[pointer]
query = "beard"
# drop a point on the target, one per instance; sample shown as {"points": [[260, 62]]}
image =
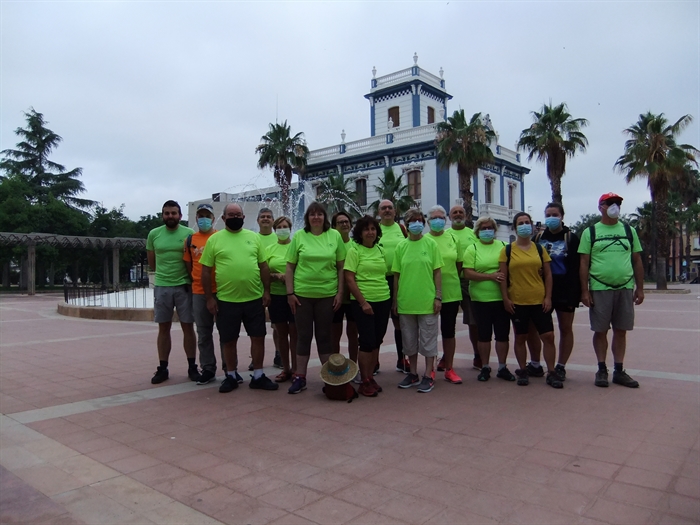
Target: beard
{"points": [[171, 223]]}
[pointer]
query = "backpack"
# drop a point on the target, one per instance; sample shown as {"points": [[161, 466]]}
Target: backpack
{"points": [[344, 392], [630, 239]]}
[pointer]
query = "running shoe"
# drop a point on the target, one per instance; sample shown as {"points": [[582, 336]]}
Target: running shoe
{"points": [[452, 377], [504, 373], [409, 381], [426, 385], [621, 378]]}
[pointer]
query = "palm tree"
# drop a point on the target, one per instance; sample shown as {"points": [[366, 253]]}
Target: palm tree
{"points": [[641, 221], [552, 137], [687, 190], [652, 153], [285, 154], [336, 194], [467, 144], [392, 188]]}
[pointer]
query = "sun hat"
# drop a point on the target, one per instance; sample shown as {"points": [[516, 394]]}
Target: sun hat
{"points": [[609, 197], [206, 207], [338, 370]]}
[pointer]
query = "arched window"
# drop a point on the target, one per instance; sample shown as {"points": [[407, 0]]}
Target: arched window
{"points": [[488, 190], [431, 115], [361, 191], [394, 116], [414, 189], [511, 196]]}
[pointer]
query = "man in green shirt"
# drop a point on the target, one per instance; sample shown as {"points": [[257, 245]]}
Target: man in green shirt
{"points": [[172, 291], [612, 282]]}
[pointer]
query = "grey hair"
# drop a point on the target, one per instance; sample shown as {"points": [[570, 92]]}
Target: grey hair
{"points": [[484, 221], [435, 208], [265, 210]]}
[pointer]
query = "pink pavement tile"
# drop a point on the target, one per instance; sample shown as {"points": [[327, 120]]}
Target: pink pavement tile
{"points": [[211, 500], [493, 506], [374, 518], [635, 495], [578, 482], [617, 443], [183, 487], [366, 494], [663, 451], [529, 514], [255, 484], [569, 502], [133, 463], [654, 463], [224, 473], [530, 472], [244, 509], [644, 478], [291, 519], [592, 467], [688, 487], [157, 474], [509, 487], [672, 519], [684, 506], [604, 454], [105, 455], [197, 462], [570, 448], [330, 511], [546, 458], [290, 497], [292, 471], [615, 512]]}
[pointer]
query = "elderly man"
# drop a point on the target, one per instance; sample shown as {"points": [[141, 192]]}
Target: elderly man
{"points": [[612, 282], [243, 291], [265, 220]]}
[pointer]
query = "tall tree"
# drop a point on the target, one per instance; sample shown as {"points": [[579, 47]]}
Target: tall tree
{"points": [[468, 145], [30, 162], [553, 136], [392, 188], [687, 189], [284, 153], [652, 153], [337, 195]]}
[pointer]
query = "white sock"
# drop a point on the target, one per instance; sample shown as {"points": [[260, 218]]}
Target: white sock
{"points": [[501, 366], [536, 364], [231, 374], [561, 365], [257, 373]]}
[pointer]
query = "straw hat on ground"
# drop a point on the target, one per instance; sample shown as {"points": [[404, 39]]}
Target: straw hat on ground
{"points": [[338, 370]]}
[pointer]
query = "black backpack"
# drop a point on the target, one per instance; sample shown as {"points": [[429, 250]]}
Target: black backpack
{"points": [[614, 239]]}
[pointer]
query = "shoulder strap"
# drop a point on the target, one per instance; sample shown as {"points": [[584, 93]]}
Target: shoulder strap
{"points": [[403, 229], [591, 233], [509, 247], [538, 236], [628, 233], [539, 252]]}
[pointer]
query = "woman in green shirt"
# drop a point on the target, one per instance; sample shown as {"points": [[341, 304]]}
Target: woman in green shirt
{"points": [[281, 315], [365, 276], [342, 222], [314, 287]]}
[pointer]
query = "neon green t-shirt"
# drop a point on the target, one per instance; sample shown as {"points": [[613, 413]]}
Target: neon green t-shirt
{"points": [[391, 237], [416, 261], [465, 236], [369, 267], [276, 257], [237, 257], [315, 257], [525, 283], [483, 258], [169, 246], [267, 240], [611, 257], [451, 253]]}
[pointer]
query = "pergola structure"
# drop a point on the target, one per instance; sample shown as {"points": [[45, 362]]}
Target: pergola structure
{"points": [[31, 240]]}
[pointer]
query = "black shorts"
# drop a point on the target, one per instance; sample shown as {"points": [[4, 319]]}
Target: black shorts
{"points": [[448, 319], [524, 314], [390, 281], [564, 306], [279, 310], [371, 329], [491, 318], [230, 316], [345, 311]]}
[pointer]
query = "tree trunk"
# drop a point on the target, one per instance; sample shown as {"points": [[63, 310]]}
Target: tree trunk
{"points": [[465, 192], [554, 177], [687, 249], [662, 244]]}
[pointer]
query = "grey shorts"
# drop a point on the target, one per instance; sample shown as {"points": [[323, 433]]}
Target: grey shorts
{"points": [[468, 316], [612, 307], [169, 298], [419, 333]]}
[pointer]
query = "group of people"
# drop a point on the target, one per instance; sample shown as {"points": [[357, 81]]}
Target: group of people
{"points": [[375, 269]]}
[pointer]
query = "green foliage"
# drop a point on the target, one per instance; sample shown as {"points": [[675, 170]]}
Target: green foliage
{"points": [[584, 222], [392, 188]]}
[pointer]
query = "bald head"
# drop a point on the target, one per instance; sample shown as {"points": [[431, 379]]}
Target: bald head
{"points": [[232, 209]]}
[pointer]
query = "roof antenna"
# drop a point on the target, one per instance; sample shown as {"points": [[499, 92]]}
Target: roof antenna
{"points": [[277, 105]]}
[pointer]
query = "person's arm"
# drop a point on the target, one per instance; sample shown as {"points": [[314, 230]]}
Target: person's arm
{"points": [[638, 278], [437, 302], [151, 255], [351, 283], [292, 299], [208, 294], [338, 300], [265, 278], [547, 304], [507, 303], [586, 298]]}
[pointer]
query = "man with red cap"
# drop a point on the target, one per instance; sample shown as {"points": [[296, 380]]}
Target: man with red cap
{"points": [[612, 282]]}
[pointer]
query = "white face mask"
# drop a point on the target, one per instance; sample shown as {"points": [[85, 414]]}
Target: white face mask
{"points": [[613, 211]]}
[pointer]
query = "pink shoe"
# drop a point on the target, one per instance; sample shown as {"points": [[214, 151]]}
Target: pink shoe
{"points": [[452, 377]]}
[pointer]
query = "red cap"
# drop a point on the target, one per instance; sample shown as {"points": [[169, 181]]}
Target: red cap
{"points": [[609, 197]]}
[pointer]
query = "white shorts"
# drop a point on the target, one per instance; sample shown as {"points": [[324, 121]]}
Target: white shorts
{"points": [[419, 332]]}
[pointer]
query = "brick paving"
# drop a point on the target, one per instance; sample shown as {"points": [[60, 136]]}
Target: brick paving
{"points": [[85, 438]]}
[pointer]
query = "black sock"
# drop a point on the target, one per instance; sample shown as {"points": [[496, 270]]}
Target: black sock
{"points": [[164, 364], [618, 367], [399, 343], [602, 366], [191, 362]]}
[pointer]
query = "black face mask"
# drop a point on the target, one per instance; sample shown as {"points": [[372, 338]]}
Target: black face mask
{"points": [[234, 223]]}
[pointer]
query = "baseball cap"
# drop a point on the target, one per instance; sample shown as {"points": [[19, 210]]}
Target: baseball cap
{"points": [[206, 207], [609, 197]]}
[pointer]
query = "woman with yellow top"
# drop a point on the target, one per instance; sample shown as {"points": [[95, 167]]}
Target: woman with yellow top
{"points": [[281, 315], [342, 222], [365, 276], [451, 252], [314, 281], [527, 296]]}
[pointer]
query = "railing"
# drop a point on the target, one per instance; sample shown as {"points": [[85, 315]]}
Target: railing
{"points": [[130, 295], [322, 153], [427, 132], [393, 77], [508, 154], [404, 74], [365, 143]]}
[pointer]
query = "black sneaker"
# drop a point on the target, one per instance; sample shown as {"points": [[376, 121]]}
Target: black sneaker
{"points": [[263, 383], [207, 376], [238, 377], [561, 372], [426, 385], [534, 371], [251, 367], [298, 384], [554, 381], [523, 378], [409, 381], [621, 378], [193, 373], [160, 375], [277, 361], [601, 378], [504, 373], [228, 385], [484, 374]]}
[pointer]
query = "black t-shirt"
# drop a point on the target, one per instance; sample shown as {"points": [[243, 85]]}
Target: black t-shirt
{"points": [[564, 265]]}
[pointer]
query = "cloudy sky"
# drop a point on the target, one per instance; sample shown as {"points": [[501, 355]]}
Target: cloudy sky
{"points": [[159, 100]]}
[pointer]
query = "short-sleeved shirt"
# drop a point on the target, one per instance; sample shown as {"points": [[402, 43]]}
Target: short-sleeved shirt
{"points": [[316, 256], [465, 236], [483, 258], [391, 237], [525, 282], [193, 253], [416, 262], [276, 257], [168, 247], [369, 267], [237, 257], [451, 252], [562, 247], [267, 240], [611, 256]]}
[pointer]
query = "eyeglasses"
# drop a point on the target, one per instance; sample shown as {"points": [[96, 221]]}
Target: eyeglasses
{"points": [[340, 223], [386, 207]]}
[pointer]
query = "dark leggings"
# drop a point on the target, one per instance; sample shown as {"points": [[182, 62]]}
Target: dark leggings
{"points": [[314, 317], [371, 328], [448, 319]]}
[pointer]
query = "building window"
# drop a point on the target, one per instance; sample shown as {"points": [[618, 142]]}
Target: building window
{"points": [[394, 116], [361, 191], [488, 190], [414, 184], [511, 196], [319, 191], [431, 115]]}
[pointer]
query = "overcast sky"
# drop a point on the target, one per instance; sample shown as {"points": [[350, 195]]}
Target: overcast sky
{"points": [[160, 100]]}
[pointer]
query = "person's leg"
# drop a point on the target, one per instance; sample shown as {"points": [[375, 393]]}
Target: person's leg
{"points": [[351, 332], [204, 323], [189, 340], [282, 330], [304, 320], [600, 345], [336, 334], [293, 345], [164, 342], [323, 321], [257, 345], [619, 345], [429, 328], [549, 350], [521, 350], [231, 355], [534, 345], [566, 335], [409, 329]]}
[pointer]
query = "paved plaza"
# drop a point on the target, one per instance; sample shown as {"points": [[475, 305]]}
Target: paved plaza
{"points": [[85, 438]]}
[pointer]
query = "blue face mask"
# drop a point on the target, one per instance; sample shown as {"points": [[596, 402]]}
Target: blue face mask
{"points": [[437, 224], [204, 224], [415, 227], [486, 235], [524, 230], [552, 223]]}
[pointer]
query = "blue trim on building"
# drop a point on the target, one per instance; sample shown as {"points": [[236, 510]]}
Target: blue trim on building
{"points": [[502, 195], [389, 138], [475, 187], [416, 109], [442, 186], [372, 130], [522, 195]]}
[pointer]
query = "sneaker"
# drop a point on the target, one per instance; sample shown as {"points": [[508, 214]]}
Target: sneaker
{"points": [[441, 364], [426, 385], [403, 366], [376, 369], [251, 367], [263, 383], [376, 385], [485, 374], [207, 376], [554, 381], [523, 377], [476, 363], [277, 361], [561, 372], [229, 383], [601, 378], [504, 373], [193, 373], [534, 371], [452, 377], [239, 379], [621, 378], [298, 384], [160, 375], [367, 389], [357, 379], [409, 381]]}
